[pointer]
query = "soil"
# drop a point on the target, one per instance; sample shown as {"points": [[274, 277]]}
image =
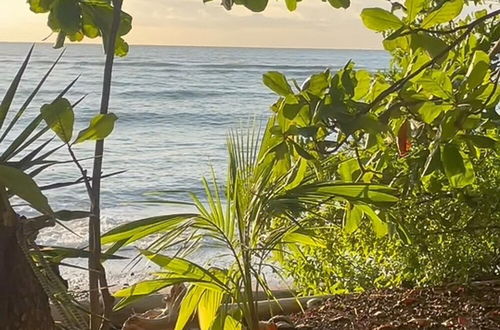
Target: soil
{"points": [[475, 306]]}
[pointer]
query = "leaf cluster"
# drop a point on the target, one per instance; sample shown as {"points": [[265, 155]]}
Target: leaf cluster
{"points": [[76, 19]]}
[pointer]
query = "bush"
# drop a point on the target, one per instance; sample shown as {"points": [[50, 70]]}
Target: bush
{"points": [[446, 238]]}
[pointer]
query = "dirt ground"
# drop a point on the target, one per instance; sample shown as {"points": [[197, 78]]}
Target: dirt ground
{"points": [[475, 306]]}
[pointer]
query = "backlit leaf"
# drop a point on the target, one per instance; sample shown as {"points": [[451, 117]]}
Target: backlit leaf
{"points": [[291, 4], [59, 117], [277, 82], [100, 127], [448, 11], [413, 8], [340, 3], [380, 20], [478, 69]]}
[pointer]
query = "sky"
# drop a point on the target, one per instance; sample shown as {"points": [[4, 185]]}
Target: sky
{"points": [[191, 23]]}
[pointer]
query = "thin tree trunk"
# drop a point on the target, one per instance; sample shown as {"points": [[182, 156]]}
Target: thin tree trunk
{"points": [[23, 303], [97, 275]]}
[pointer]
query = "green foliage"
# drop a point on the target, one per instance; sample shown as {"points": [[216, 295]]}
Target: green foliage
{"points": [[76, 19], [291, 5], [240, 219], [23, 186], [14, 172], [99, 128], [25, 153], [379, 19], [428, 127], [446, 239], [59, 117]]}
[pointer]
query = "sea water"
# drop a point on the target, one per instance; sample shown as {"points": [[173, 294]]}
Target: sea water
{"points": [[175, 107]]}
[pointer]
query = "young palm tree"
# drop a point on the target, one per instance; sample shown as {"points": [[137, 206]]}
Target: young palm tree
{"points": [[257, 194]]}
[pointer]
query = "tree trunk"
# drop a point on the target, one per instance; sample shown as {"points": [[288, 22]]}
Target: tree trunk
{"points": [[23, 303]]}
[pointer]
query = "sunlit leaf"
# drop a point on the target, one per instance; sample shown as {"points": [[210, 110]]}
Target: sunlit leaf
{"points": [[413, 8], [379, 227], [99, 128], [478, 70], [340, 3], [277, 82], [189, 306], [208, 307], [448, 11], [380, 20], [291, 4], [59, 117]]}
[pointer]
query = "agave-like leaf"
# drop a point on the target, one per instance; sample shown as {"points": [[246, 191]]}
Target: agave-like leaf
{"points": [[26, 103], [11, 92]]}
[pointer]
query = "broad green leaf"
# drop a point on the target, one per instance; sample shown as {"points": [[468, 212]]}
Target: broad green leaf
{"points": [[255, 5], [438, 84], [362, 88], [121, 47], [378, 19], [89, 29], [347, 168], [459, 175], [23, 186], [59, 117], [100, 127], [317, 84], [452, 160], [432, 45], [96, 20], [65, 16], [40, 6], [340, 3], [447, 12], [391, 44], [291, 4], [478, 70], [429, 111], [277, 82], [413, 8]]}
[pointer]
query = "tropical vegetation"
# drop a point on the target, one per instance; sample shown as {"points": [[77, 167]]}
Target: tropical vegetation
{"points": [[357, 180]]}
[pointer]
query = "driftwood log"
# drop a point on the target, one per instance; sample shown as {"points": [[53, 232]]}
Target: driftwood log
{"points": [[159, 311], [159, 319]]}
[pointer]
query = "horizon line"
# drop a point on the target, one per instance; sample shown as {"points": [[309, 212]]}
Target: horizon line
{"points": [[196, 46]]}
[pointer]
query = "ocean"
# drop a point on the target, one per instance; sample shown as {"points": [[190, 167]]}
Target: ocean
{"points": [[175, 107]]}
